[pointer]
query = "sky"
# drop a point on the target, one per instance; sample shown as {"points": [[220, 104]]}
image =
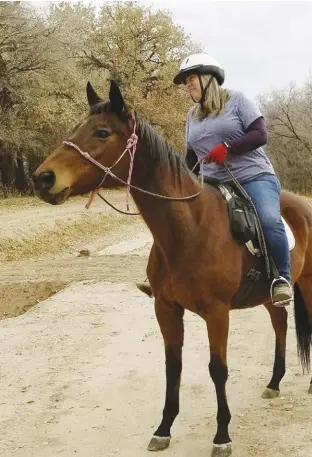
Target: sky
{"points": [[262, 45]]}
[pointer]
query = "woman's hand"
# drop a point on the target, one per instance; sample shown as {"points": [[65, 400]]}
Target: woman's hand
{"points": [[217, 154]]}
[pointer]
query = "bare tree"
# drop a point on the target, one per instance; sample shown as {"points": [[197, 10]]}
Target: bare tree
{"points": [[289, 116], [141, 50], [46, 60]]}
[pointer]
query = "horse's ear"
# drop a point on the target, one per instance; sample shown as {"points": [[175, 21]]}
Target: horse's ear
{"points": [[116, 98], [92, 96]]}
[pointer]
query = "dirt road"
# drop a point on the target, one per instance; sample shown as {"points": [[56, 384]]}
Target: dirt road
{"points": [[47, 241], [82, 372]]}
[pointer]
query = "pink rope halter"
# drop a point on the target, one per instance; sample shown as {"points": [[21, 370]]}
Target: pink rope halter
{"points": [[130, 148]]}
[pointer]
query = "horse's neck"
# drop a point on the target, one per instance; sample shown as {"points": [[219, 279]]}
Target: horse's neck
{"points": [[170, 222]]}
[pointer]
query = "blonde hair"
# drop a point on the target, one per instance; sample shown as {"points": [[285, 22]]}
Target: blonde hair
{"points": [[215, 99]]}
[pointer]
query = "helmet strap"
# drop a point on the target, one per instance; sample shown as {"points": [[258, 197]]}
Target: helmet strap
{"points": [[203, 90]]}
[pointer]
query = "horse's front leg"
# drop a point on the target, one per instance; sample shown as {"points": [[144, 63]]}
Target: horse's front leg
{"points": [[170, 319], [217, 321]]}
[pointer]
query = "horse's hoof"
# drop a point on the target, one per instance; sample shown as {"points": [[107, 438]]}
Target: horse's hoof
{"points": [[270, 393], [310, 389], [221, 450], [159, 443]]}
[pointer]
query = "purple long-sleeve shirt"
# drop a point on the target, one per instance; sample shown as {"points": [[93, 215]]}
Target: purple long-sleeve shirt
{"points": [[256, 136]]}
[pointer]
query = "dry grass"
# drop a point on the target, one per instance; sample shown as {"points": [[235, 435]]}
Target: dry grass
{"points": [[63, 237], [69, 228], [20, 203], [14, 204]]}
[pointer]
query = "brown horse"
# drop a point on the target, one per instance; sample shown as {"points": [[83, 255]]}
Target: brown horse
{"points": [[194, 262]]}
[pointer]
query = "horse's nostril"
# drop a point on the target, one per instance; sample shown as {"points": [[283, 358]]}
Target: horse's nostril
{"points": [[45, 180]]}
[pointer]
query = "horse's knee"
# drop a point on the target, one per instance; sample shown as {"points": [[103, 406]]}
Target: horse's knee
{"points": [[218, 370]]}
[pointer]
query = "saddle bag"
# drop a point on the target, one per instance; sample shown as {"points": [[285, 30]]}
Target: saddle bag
{"points": [[242, 220]]}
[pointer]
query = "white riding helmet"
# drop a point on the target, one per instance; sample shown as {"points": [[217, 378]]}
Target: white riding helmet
{"points": [[200, 63]]}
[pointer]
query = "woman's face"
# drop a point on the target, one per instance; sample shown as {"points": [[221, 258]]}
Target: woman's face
{"points": [[193, 87]]}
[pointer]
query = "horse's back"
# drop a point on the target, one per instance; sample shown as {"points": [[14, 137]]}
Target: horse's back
{"points": [[296, 209]]}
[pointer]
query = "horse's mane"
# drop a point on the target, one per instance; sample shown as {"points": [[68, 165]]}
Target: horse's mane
{"points": [[158, 151]]}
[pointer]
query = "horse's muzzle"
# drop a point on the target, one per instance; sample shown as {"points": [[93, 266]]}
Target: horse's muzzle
{"points": [[43, 186], [44, 181]]}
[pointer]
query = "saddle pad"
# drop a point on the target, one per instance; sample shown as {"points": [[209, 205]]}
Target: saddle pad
{"points": [[290, 235]]}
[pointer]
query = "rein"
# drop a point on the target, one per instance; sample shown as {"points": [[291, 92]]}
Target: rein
{"points": [[130, 149]]}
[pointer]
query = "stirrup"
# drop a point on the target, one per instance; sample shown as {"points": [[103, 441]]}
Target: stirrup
{"points": [[282, 303]]}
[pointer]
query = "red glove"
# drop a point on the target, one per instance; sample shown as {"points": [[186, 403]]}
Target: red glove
{"points": [[217, 154]]}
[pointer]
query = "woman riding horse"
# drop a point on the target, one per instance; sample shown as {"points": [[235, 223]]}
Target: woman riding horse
{"points": [[194, 264], [224, 125]]}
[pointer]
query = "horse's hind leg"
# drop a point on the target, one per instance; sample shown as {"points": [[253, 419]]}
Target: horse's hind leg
{"points": [[305, 285], [279, 322], [170, 320]]}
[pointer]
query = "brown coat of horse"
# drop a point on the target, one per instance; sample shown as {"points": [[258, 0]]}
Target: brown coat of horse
{"points": [[194, 262]]}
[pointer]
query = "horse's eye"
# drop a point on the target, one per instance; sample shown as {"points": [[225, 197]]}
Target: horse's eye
{"points": [[101, 133]]}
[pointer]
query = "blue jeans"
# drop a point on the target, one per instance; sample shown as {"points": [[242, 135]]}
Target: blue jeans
{"points": [[265, 191]]}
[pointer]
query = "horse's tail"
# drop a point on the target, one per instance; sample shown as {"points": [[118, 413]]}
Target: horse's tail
{"points": [[303, 329]]}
